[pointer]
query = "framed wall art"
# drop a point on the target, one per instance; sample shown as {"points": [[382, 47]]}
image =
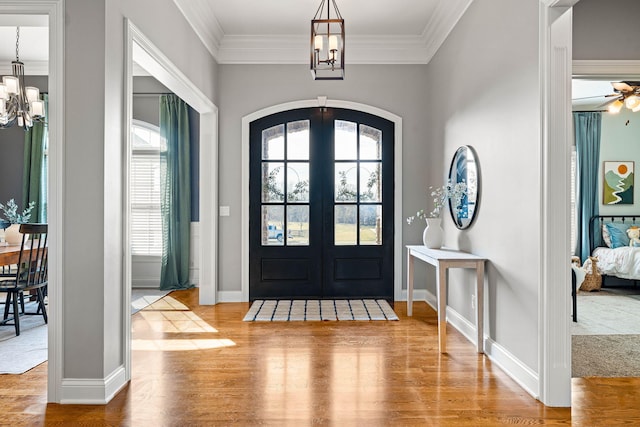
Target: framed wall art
{"points": [[617, 183]]}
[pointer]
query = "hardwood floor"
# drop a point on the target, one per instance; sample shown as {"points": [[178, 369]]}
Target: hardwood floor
{"points": [[205, 367]]}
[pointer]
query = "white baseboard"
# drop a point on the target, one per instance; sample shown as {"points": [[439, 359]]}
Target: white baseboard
{"points": [[463, 326], [518, 371], [418, 295], [194, 261], [500, 356], [194, 276], [93, 391], [145, 283], [230, 296]]}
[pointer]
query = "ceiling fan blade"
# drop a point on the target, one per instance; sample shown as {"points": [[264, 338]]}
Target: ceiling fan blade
{"points": [[608, 102], [622, 86], [596, 96]]}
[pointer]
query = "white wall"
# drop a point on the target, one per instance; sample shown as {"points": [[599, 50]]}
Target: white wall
{"points": [[484, 92], [94, 86], [244, 89]]}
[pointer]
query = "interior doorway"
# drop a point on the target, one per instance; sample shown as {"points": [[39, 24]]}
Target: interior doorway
{"points": [[140, 50], [321, 211]]}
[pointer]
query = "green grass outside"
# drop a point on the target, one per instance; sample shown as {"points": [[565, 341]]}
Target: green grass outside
{"points": [[345, 234]]}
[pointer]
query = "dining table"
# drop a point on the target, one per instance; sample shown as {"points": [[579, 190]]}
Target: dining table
{"points": [[9, 253]]}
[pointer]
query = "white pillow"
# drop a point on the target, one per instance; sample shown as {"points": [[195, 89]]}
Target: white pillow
{"points": [[605, 235], [580, 275]]}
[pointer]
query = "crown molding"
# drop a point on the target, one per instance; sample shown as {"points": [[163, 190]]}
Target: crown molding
{"points": [[443, 20], [31, 68], [606, 68], [294, 49], [201, 19]]}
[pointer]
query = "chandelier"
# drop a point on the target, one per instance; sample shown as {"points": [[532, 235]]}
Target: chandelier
{"points": [[19, 104], [327, 44]]}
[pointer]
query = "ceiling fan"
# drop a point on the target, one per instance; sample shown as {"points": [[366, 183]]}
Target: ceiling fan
{"points": [[625, 93]]}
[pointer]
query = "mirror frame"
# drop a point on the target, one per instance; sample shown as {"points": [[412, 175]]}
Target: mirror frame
{"points": [[468, 152]]}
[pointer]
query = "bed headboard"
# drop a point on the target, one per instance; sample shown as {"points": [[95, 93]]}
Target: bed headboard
{"points": [[595, 227]]}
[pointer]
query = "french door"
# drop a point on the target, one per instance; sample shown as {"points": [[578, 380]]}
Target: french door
{"points": [[321, 205]]}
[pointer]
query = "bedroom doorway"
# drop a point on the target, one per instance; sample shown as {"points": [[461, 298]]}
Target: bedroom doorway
{"points": [[321, 205], [606, 330]]}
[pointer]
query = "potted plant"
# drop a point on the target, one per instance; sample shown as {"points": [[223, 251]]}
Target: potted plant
{"points": [[12, 233], [432, 235]]}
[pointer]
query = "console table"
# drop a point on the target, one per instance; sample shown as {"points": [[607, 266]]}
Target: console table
{"points": [[443, 259]]}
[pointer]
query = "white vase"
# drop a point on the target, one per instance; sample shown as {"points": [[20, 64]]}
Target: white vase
{"points": [[12, 234], [433, 234]]}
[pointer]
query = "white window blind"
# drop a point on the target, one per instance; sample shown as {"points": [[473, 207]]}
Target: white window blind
{"points": [[146, 225]]}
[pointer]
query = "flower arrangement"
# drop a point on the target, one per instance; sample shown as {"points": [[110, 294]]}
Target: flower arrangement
{"points": [[441, 195], [11, 212]]}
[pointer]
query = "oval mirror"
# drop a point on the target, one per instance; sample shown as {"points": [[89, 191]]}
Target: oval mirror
{"points": [[465, 168]]}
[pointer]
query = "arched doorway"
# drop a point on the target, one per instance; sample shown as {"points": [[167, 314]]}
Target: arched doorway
{"points": [[398, 292], [321, 205]]}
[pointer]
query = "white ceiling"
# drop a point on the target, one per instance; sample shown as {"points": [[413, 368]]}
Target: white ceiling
{"points": [[590, 94], [34, 43], [377, 31], [277, 32]]}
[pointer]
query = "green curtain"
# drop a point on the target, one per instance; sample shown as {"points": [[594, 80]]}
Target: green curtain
{"points": [[587, 128], [175, 192], [34, 178]]}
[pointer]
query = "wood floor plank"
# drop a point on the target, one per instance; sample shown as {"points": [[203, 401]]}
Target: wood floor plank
{"points": [[206, 367]]}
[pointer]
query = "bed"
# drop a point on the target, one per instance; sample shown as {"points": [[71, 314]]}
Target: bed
{"points": [[610, 243]]}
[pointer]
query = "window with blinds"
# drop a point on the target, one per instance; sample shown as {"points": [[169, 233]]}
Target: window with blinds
{"points": [[146, 225]]}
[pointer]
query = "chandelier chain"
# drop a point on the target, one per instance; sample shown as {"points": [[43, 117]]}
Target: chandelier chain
{"points": [[17, 43]]}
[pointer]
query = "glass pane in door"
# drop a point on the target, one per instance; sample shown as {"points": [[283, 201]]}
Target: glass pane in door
{"points": [[346, 140], [298, 140], [272, 182], [370, 143], [345, 225], [370, 182], [297, 182], [298, 225], [273, 143], [346, 182], [371, 224], [272, 225]]}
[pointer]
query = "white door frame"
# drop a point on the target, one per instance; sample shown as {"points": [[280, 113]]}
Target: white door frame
{"points": [[554, 336], [397, 202], [139, 48]]}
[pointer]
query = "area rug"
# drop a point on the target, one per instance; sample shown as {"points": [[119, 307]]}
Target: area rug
{"points": [[318, 310], [605, 356], [607, 315], [20, 353], [142, 297]]}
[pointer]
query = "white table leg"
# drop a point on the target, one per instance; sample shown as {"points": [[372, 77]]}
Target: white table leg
{"points": [[441, 285], [480, 305], [409, 283]]}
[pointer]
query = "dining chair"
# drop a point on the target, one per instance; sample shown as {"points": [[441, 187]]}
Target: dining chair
{"points": [[31, 275], [5, 270]]}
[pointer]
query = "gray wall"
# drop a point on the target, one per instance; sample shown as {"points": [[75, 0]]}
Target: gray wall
{"points": [[12, 152], [606, 30], [245, 89], [94, 62], [492, 54]]}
